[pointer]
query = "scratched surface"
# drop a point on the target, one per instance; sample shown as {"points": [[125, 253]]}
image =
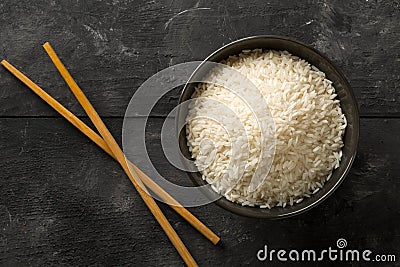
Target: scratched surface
{"points": [[111, 47], [64, 202]]}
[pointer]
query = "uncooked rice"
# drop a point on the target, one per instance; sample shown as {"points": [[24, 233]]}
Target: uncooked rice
{"points": [[309, 129]]}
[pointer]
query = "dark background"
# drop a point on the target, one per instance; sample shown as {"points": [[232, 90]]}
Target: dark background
{"points": [[64, 201]]}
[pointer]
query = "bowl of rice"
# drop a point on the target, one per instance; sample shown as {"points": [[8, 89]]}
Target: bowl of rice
{"points": [[313, 113]]}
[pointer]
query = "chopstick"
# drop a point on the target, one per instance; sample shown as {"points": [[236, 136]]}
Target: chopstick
{"points": [[75, 121], [120, 156], [82, 99]]}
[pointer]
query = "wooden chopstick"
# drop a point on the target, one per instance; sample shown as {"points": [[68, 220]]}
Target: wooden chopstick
{"points": [[80, 125], [120, 157], [157, 213]]}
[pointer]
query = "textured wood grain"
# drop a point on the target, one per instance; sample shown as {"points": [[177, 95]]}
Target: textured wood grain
{"points": [[64, 201], [112, 46]]}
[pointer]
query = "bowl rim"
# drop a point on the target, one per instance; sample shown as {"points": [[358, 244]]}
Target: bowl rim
{"points": [[254, 212]]}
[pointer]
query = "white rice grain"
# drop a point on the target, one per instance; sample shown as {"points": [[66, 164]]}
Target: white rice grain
{"points": [[309, 129]]}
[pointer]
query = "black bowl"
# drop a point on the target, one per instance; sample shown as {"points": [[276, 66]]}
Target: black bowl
{"points": [[347, 101]]}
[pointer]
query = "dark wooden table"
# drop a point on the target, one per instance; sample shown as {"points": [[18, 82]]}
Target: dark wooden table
{"points": [[65, 202]]}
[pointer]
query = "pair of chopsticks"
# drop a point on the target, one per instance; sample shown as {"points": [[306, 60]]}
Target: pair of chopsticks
{"points": [[107, 142]]}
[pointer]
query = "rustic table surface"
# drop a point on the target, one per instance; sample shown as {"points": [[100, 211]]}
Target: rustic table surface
{"points": [[64, 201]]}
